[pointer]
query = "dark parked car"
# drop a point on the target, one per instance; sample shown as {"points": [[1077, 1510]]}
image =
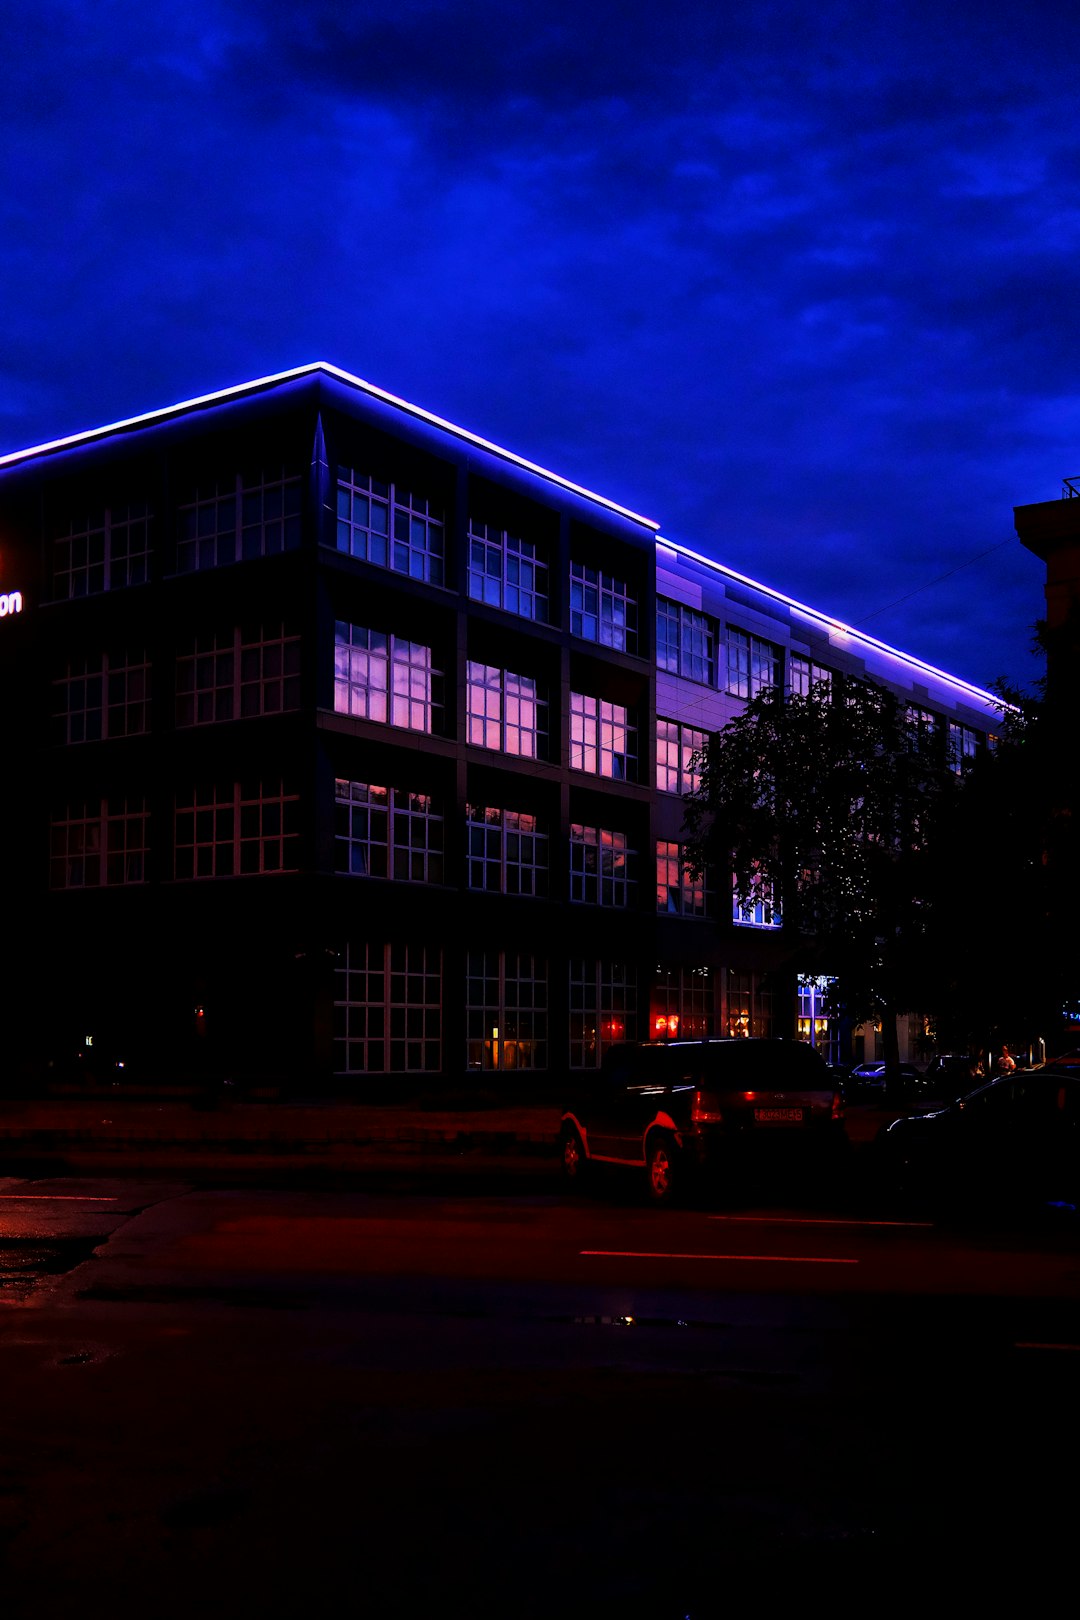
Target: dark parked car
{"points": [[679, 1110], [868, 1080], [1013, 1141], [949, 1072]]}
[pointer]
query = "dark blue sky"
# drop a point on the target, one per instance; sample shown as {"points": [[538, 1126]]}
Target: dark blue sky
{"points": [[801, 282]]}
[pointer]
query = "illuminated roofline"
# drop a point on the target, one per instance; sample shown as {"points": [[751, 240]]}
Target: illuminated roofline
{"points": [[837, 625], [91, 435]]}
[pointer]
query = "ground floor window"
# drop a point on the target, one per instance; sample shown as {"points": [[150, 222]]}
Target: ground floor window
{"points": [[815, 1026], [388, 1009], [506, 998], [749, 1006], [603, 1009], [682, 1004]]}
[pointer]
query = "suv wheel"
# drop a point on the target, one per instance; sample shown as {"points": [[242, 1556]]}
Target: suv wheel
{"points": [[662, 1169], [572, 1160]]}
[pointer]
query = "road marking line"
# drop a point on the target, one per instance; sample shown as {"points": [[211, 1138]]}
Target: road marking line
{"points": [[60, 1198], [813, 1220], [1034, 1344], [650, 1254]]}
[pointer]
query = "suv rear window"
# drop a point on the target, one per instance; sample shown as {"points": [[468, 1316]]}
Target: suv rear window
{"points": [[747, 1064]]}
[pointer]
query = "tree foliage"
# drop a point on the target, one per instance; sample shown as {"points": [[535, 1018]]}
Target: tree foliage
{"points": [[830, 800]]}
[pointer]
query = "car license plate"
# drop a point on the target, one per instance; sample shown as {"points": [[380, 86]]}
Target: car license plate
{"points": [[778, 1116]]}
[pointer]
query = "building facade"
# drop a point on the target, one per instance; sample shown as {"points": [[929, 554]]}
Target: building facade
{"points": [[345, 750]]}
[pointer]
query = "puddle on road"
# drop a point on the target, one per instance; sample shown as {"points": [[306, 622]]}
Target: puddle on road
{"points": [[23, 1264]]}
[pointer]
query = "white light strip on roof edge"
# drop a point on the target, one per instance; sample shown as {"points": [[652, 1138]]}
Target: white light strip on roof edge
{"points": [[237, 392], [833, 624]]}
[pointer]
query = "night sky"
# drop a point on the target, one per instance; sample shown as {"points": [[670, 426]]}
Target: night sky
{"points": [[800, 282]]}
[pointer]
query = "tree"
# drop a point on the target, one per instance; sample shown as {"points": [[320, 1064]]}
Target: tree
{"points": [[831, 801]]}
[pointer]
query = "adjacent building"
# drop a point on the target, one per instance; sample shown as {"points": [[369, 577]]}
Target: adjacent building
{"points": [[346, 749]]}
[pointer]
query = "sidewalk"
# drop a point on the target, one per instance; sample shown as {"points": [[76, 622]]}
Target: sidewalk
{"points": [[72, 1135]]}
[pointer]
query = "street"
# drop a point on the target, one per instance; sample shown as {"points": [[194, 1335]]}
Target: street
{"points": [[266, 1400]]}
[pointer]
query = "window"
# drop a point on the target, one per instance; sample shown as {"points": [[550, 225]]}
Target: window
{"points": [[240, 673], [507, 851], [506, 1011], [603, 867], [387, 832], [682, 1004], [752, 665], [237, 828], [99, 842], [685, 642], [388, 1010], [806, 675], [925, 730], [603, 738], [676, 746], [107, 695], [381, 677], [236, 518], [963, 746], [676, 891], [102, 552], [749, 1007], [387, 524], [603, 1009], [602, 609], [506, 712], [507, 572], [759, 909]]}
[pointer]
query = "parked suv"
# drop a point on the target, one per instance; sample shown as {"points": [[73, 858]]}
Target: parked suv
{"points": [[677, 1110]]}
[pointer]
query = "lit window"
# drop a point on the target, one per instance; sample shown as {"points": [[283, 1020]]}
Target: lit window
{"points": [[602, 608], [506, 1011], [758, 909], [505, 711], [507, 572], [383, 678], [685, 642], [676, 748], [603, 1009], [391, 526], [603, 738], [677, 892]]}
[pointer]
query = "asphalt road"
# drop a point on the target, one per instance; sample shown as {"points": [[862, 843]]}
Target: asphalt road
{"points": [[282, 1401]]}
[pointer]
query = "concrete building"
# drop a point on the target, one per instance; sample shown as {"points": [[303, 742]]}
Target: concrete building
{"points": [[345, 748]]}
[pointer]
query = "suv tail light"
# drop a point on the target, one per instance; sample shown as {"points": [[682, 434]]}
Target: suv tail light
{"points": [[705, 1109], [837, 1105]]}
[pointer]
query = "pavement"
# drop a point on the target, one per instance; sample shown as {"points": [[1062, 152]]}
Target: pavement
{"points": [[109, 1133]]}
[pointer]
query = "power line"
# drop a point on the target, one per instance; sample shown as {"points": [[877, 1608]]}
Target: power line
{"points": [[932, 582]]}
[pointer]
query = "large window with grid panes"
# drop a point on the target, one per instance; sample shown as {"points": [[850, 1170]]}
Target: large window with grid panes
{"points": [[603, 866], [962, 746], [805, 675], [685, 642], [385, 678], [748, 1005], [506, 711], [677, 748], [508, 571], [507, 851], [104, 550], [925, 731], [506, 1011], [238, 673], [678, 891], [603, 738], [102, 695], [753, 665], [758, 908], [602, 608], [387, 832], [603, 1008], [682, 1003], [236, 829], [388, 1009], [99, 842], [390, 525], [238, 517]]}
